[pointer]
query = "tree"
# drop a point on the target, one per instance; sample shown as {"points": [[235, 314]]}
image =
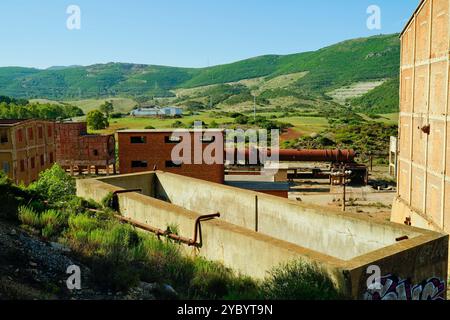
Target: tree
{"points": [[107, 108], [96, 120], [54, 185]]}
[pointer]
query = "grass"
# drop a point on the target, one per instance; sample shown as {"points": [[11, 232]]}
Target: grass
{"points": [[141, 123], [120, 256], [123, 105]]}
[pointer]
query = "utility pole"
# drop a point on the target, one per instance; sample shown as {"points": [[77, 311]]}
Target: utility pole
{"points": [[254, 107], [343, 174]]}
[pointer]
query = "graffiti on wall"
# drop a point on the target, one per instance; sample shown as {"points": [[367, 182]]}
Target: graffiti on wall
{"points": [[392, 288]]}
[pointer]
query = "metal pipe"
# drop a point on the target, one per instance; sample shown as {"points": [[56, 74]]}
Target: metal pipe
{"points": [[115, 200], [159, 232], [292, 155]]}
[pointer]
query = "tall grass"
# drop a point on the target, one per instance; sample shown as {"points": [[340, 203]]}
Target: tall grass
{"points": [[119, 257], [49, 223], [299, 280]]}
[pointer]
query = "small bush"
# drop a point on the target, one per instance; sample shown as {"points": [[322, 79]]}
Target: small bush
{"points": [[54, 185], [299, 281]]}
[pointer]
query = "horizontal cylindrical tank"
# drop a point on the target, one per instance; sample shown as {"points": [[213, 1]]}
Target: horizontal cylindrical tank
{"points": [[293, 155]]}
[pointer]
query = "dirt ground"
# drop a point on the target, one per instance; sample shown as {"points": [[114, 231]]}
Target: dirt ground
{"points": [[374, 200]]}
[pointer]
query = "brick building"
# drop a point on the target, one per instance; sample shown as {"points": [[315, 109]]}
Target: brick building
{"points": [[27, 147], [78, 150], [423, 197], [147, 150]]}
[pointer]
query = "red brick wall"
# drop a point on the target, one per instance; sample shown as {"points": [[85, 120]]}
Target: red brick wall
{"points": [[76, 147], [156, 152]]}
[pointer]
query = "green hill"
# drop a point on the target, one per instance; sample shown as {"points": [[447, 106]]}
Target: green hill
{"points": [[326, 69]]}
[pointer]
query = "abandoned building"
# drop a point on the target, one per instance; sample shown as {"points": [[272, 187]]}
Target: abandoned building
{"points": [[146, 150], [78, 150], [252, 232], [27, 147], [423, 198]]}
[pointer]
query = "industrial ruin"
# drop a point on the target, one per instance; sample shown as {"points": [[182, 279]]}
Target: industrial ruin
{"points": [[252, 232], [27, 147], [76, 150], [423, 198]]}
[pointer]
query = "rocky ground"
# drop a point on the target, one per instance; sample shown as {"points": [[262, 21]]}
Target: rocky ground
{"points": [[32, 269]]}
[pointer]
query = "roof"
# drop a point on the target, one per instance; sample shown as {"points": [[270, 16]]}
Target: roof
{"points": [[259, 185], [412, 17], [11, 122], [168, 130]]}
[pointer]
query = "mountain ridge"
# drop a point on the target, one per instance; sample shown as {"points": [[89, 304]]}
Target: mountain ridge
{"points": [[329, 68]]}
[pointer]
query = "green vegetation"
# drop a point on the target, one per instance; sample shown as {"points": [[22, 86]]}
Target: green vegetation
{"points": [[22, 109], [96, 120], [383, 99], [368, 138], [323, 70], [300, 280], [119, 256], [107, 108], [54, 185]]}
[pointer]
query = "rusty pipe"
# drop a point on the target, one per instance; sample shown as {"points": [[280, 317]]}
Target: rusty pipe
{"points": [[159, 232], [126, 191], [292, 155], [115, 200], [198, 221], [156, 231]]}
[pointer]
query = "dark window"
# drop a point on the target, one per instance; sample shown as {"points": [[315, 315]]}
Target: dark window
{"points": [[171, 164], [138, 140], [19, 135], [22, 165], [6, 167], [33, 163], [172, 139], [51, 157], [206, 139], [139, 164], [95, 152], [40, 133], [30, 134], [42, 160], [50, 131], [3, 136]]}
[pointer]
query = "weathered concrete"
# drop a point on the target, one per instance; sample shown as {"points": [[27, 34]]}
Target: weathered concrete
{"points": [[343, 245]]}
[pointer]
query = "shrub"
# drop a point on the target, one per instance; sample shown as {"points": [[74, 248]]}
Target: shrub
{"points": [[49, 223], [54, 185], [299, 281], [96, 120]]}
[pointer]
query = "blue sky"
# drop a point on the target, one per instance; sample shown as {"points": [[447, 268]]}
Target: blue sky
{"points": [[190, 33]]}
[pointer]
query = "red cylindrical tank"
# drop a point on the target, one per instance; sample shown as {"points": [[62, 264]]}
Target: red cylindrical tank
{"points": [[293, 155]]}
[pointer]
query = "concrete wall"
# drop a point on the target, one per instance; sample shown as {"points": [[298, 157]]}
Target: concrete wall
{"points": [[424, 153], [336, 234], [232, 240]]}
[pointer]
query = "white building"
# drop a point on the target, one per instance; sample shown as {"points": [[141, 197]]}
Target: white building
{"points": [[155, 112]]}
